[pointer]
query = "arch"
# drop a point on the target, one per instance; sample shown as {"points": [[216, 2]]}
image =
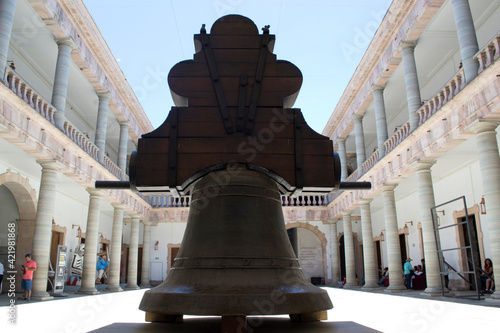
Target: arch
{"points": [[25, 196], [321, 236], [22, 191]]}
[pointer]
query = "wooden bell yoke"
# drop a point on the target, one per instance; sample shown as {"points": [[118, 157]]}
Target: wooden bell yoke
{"points": [[234, 105]]}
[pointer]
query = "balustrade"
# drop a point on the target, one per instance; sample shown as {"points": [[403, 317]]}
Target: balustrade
{"points": [[489, 53], [46, 110]]}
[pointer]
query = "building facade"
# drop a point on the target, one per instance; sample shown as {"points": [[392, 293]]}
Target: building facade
{"points": [[68, 117]]}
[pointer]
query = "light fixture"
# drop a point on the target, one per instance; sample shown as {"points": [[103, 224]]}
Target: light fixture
{"points": [[382, 238], [156, 245], [437, 216], [405, 228], [482, 206]]}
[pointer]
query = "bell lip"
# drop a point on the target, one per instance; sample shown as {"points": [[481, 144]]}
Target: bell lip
{"points": [[218, 305]]}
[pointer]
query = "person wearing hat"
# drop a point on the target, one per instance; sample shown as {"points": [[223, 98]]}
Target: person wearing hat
{"points": [[28, 268]]}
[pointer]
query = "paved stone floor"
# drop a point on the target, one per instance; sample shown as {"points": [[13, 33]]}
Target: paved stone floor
{"points": [[354, 311]]}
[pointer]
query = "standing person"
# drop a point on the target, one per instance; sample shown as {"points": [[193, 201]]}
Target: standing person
{"points": [[1, 276], [407, 268], [101, 266], [28, 268]]}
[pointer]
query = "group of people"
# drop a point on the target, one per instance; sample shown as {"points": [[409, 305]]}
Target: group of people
{"points": [[29, 267], [414, 276]]}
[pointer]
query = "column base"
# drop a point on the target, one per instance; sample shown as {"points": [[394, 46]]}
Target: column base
{"points": [[88, 291], [113, 289], [145, 285], [495, 298], [163, 318], [370, 287], [310, 316], [131, 287], [41, 296], [396, 289], [350, 285], [435, 292]]}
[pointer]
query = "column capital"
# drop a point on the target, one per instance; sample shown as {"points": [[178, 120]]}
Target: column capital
{"points": [[65, 42], [135, 216], [94, 192], [103, 95], [358, 117], [123, 123], [365, 201], [119, 206], [147, 223], [331, 221], [423, 165], [377, 87], [346, 213], [341, 139], [388, 187], [407, 45], [483, 125], [50, 164]]}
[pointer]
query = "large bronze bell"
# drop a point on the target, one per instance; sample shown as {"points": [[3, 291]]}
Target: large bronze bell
{"points": [[235, 257]]}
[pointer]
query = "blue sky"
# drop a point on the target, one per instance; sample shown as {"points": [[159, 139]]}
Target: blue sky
{"points": [[325, 39]]}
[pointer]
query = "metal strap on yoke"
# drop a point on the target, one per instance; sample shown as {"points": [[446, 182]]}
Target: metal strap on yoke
{"points": [[249, 123], [219, 92], [172, 151], [242, 95], [299, 175]]}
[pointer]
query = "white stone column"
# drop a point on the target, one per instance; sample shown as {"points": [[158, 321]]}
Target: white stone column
{"points": [[426, 200], [334, 252], [392, 241], [370, 260], [91, 244], [359, 138], [411, 82], [380, 118], [102, 125], [122, 149], [43, 228], [467, 39], [60, 89], [7, 10], [350, 265], [116, 249], [489, 162], [133, 254], [146, 249], [343, 158]]}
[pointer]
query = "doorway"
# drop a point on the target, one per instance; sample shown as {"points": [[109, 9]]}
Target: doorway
{"points": [[402, 246], [465, 256], [342, 257]]}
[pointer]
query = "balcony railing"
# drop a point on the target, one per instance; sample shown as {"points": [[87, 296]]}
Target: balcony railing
{"points": [[47, 110], [488, 54], [485, 57], [453, 87], [304, 201], [159, 201]]}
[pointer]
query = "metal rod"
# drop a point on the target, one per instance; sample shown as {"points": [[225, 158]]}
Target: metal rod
{"points": [[355, 186], [455, 248], [107, 184], [452, 225]]}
